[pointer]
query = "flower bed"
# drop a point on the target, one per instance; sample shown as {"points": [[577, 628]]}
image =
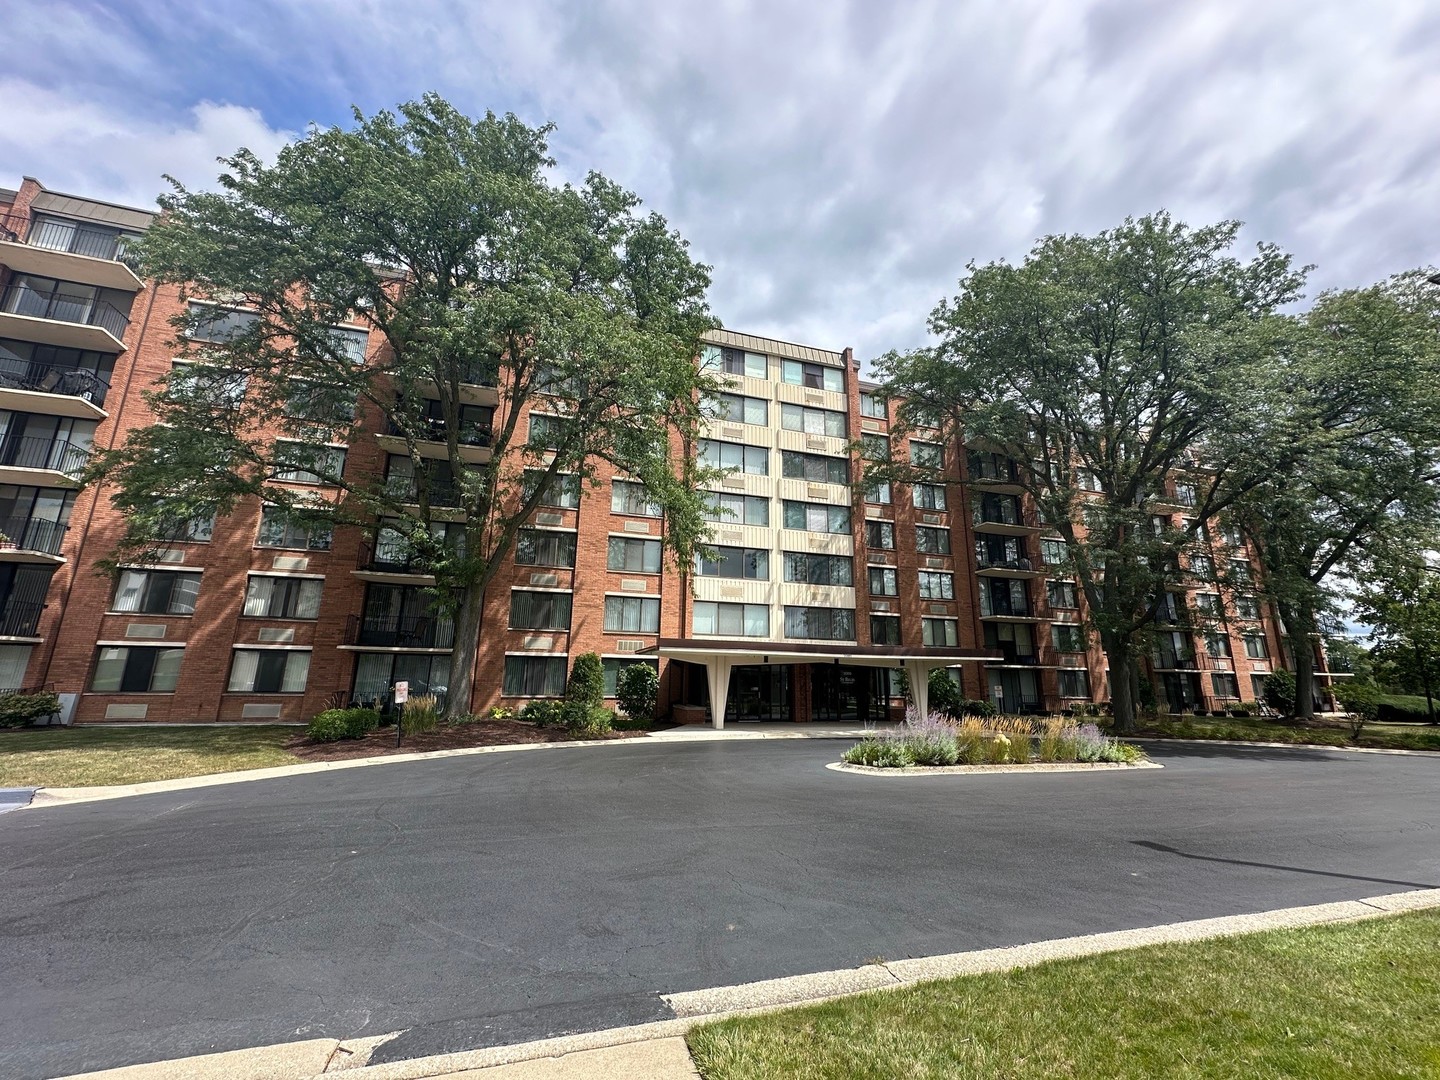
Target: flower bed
{"points": [[939, 742]]}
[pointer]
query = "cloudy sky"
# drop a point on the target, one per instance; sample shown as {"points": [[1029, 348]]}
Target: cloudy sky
{"points": [[838, 163]]}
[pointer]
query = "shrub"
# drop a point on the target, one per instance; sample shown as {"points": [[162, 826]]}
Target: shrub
{"points": [[580, 719], [1121, 753], [928, 742], [945, 696], [1089, 743], [329, 726], [542, 713], [974, 707], [360, 722], [878, 754], [1361, 701], [17, 710], [1280, 692], [420, 713], [587, 681], [1402, 707], [500, 712], [465, 718], [636, 689]]}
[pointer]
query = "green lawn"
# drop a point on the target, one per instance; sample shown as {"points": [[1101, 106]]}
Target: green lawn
{"points": [[86, 756], [1381, 736], [1360, 1000]]}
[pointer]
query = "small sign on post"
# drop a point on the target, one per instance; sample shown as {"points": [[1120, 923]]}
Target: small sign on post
{"points": [[402, 695]]}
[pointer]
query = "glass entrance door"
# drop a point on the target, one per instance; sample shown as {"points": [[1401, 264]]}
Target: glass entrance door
{"points": [[758, 693]]}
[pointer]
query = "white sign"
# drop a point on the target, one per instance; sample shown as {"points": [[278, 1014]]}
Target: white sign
{"points": [[402, 692]]}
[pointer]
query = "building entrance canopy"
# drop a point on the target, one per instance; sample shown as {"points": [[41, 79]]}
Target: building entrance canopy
{"points": [[719, 658]]}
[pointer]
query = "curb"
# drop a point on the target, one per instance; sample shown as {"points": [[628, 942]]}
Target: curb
{"points": [[982, 770], [289, 1061], [1163, 739]]}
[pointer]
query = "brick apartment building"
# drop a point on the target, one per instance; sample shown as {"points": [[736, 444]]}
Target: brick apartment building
{"points": [[820, 592]]}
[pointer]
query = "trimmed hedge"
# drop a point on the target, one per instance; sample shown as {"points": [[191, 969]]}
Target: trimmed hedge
{"points": [[17, 710], [335, 724], [1403, 707]]}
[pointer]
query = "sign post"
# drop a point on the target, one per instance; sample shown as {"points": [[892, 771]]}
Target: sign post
{"points": [[402, 695]]}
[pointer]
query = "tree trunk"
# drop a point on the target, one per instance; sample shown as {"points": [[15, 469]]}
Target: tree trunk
{"points": [[1424, 659], [1298, 624], [467, 647], [1122, 681]]}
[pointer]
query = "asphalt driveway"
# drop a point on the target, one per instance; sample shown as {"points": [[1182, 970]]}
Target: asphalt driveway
{"points": [[495, 898]]}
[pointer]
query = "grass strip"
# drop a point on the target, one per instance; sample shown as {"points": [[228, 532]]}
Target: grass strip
{"points": [[93, 756]]}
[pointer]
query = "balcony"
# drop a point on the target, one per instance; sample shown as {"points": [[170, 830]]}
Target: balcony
{"points": [[403, 489], [993, 472], [474, 441], [41, 462], [1001, 609], [1001, 517], [71, 251], [478, 385], [1007, 568], [31, 540], [62, 317], [51, 390], [400, 632], [19, 619], [390, 563]]}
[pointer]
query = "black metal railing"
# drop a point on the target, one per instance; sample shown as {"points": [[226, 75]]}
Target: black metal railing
{"points": [[433, 430], [391, 559], [35, 452], [403, 489], [20, 618], [987, 563], [400, 632], [998, 514], [16, 373], [31, 534], [77, 239], [994, 469], [60, 306]]}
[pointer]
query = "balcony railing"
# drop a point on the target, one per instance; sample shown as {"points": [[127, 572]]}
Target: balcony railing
{"points": [[78, 240], [433, 430], [390, 559], [995, 470], [60, 306], [17, 373], [34, 452], [988, 513], [403, 489], [990, 606], [986, 563], [20, 618], [400, 632], [33, 534]]}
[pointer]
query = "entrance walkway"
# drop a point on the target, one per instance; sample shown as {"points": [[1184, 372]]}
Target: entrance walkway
{"points": [[703, 732]]}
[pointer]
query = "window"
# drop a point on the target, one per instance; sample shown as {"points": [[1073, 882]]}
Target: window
{"points": [[816, 468], [1255, 647], [135, 670], [936, 586], [733, 361], [1004, 596], [1067, 638], [1207, 603], [727, 455], [1217, 644], [883, 581], [872, 405], [824, 624], [541, 547], [613, 665], [1185, 494], [271, 597], [218, 324], [813, 421], [1247, 607], [939, 632], [1086, 480], [929, 496], [628, 497], [932, 541], [349, 343], [632, 614], [546, 432], [735, 562], [277, 531], [1202, 566], [927, 455], [812, 376], [1061, 594], [208, 383], [1053, 551], [156, 592], [269, 671], [992, 550], [880, 535], [562, 492], [731, 620], [884, 629], [302, 463], [539, 610], [1240, 571], [633, 555], [874, 447], [1159, 523], [878, 492], [739, 409], [1230, 533], [1257, 687], [737, 509], [534, 676], [817, 517], [1075, 683], [809, 568], [376, 673], [1225, 684]]}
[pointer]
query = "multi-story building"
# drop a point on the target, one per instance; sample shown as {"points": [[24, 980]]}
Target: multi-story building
{"points": [[819, 592]]}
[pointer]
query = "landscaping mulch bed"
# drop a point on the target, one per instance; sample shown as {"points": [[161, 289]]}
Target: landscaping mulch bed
{"points": [[461, 736]]}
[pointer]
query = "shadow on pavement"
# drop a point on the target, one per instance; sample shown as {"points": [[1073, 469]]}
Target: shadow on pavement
{"points": [[1168, 850]]}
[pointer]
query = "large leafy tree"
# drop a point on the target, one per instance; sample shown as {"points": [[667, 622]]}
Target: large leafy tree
{"points": [[446, 236], [1399, 596], [1360, 438], [1132, 359]]}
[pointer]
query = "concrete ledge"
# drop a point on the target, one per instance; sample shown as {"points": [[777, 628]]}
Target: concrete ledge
{"points": [[980, 770], [1161, 740], [287, 1061], [770, 993]]}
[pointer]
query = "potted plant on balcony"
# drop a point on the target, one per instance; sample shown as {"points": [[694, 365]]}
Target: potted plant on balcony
{"points": [[6, 544]]}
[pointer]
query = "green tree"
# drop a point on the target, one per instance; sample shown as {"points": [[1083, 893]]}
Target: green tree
{"points": [[1400, 598], [1361, 424], [446, 235], [1280, 692], [637, 688], [1133, 359]]}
